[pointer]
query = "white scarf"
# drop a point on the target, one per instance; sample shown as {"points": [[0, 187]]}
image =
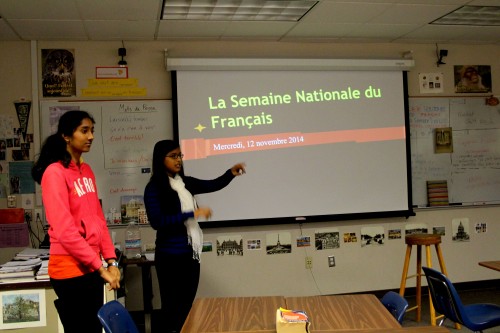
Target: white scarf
{"points": [[188, 204]]}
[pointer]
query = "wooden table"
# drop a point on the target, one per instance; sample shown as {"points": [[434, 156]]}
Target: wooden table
{"points": [[233, 314], [416, 329], [339, 313], [491, 264], [344, 312]]}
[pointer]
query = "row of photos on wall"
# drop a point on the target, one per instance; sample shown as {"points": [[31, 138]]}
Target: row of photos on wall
{"points": [[324, 239]]}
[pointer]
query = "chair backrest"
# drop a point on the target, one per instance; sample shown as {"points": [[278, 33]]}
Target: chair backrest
{"points": [[444, 295], [115, 318], [395, 304]]}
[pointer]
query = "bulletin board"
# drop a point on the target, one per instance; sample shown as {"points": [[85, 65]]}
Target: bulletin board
{"points": [[124, 138], [472, 168]]}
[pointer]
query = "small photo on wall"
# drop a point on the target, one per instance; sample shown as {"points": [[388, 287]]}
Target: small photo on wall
{"points": [[229, 245], [350, 237], [303, 241], [207, 246], [277, 243], [254, 244], [394, 234], [460, 229], [327, 239], [372, 236]]}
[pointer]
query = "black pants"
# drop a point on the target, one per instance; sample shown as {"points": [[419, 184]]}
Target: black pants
{"points": [[178, 277], [79, 300]]}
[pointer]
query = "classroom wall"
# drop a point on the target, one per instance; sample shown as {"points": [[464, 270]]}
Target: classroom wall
{"points": [[256, 273]]}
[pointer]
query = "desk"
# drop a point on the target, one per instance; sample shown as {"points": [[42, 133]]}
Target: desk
{"points": [[147, 285], [258, 314], [416, 329], [344, 312], [233, 314], [491, 264], [25, 285]]}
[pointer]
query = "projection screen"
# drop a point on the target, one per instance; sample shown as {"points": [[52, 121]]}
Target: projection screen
{"points": [[319, 145]]}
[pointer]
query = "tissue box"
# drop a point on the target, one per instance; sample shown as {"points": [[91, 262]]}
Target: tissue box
{"points": [[291, 321]]}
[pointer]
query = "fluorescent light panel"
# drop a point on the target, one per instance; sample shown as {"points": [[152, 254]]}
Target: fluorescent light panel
{"points": [[236, 10], [472, 15]]}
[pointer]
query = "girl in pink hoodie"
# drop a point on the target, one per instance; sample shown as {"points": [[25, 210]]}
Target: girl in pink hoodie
{"points": [[79, 237]]}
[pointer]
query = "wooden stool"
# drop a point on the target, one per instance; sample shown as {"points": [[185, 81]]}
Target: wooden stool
{"points": [[427, 240]]}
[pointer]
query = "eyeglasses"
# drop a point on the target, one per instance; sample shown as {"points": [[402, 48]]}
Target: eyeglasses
{"points": [[175, 156]]}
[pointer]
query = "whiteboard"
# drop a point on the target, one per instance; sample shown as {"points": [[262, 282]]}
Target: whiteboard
{"points": [[124, 138], [472, 170]]}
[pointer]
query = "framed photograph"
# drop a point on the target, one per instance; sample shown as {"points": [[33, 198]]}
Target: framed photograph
{"points": [[22, 309]]}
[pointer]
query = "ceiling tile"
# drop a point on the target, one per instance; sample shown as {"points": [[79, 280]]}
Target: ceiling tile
{"points": [[191, 29], [39, 9], [49, 30], [412, 14], [121, 30], [133, 10], [331, 12]]}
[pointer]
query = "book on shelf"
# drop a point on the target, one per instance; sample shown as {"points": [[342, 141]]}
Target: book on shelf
{"points": [[437, 193]]}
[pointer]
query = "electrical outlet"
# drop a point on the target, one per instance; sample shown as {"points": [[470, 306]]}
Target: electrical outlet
{"points": [[331, 261], [309, 262]]}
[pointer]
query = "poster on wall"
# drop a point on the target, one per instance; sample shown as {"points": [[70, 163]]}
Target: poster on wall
{"points": [[472, 79], [58, 73]]}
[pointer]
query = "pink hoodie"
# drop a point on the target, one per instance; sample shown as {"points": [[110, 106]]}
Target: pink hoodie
{"points": [[77, 226]]}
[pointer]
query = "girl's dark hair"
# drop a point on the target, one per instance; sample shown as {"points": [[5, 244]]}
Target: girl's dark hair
{"points": [[54, 147], [159, 174]]}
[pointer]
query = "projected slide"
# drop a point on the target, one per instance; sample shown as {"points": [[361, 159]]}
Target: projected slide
{"points": [[316, 143]]}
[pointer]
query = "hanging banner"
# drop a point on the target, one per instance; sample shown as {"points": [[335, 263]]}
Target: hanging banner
{"points": [[23, 114]]}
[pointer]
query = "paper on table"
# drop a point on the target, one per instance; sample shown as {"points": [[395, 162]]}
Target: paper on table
{"points": [[30, 263]]}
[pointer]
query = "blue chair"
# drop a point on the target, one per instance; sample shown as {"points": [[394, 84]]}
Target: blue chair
{"points": [[395, 304], [116, 319], [476, 317]]}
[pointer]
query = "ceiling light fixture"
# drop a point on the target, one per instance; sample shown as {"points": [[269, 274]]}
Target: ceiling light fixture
{"points": [[471, 15], [236, 10]]}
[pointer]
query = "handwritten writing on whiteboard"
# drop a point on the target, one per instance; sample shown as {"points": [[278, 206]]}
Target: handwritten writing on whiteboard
{"points": [[128, 133], [125, 134], [472, 170]]}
